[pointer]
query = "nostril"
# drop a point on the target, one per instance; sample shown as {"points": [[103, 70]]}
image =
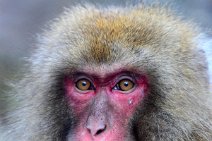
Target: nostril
{"points": [[96, 130], [100, 131]]}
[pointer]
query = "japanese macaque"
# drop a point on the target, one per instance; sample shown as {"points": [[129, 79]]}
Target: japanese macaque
{"points": [[114, 74]]}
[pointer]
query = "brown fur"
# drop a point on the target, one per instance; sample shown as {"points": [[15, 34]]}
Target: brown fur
{"points": [[143, 39]]}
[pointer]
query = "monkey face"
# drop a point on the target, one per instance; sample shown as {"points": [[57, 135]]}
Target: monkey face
{"points": [[120, 73], [104, 104]]}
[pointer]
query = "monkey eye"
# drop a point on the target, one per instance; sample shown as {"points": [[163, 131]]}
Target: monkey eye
{"points": [[124, 85], [84, 85]]}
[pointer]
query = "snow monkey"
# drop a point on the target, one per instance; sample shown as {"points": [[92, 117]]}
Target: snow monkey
{"points": [[114, 74]]}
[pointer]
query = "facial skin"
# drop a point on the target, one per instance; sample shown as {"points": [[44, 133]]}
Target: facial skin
{"points": [[104, 105]]}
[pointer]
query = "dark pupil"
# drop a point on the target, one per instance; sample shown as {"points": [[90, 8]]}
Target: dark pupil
{"points": [[84, 83], [126, 84]]}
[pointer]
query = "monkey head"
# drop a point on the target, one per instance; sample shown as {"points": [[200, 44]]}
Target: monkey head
{"points": [[116, 74]]}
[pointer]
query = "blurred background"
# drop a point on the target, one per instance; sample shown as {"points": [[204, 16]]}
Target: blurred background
{"points": [[22, 20]]}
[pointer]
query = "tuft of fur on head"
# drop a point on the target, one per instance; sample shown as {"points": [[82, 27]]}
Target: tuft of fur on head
{"points": [[146, 39]]}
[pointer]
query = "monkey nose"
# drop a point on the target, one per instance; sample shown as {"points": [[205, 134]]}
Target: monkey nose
{"points": [[96, 128]]}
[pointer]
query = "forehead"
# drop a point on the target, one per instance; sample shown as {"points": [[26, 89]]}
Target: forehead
{"points": [[110, 36]]}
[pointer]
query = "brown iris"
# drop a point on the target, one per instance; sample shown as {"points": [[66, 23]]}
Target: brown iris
{"points": [[125, 85], [83, 84]]}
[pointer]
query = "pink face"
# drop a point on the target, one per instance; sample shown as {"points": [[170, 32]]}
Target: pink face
{"points": [[104, 106]]}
